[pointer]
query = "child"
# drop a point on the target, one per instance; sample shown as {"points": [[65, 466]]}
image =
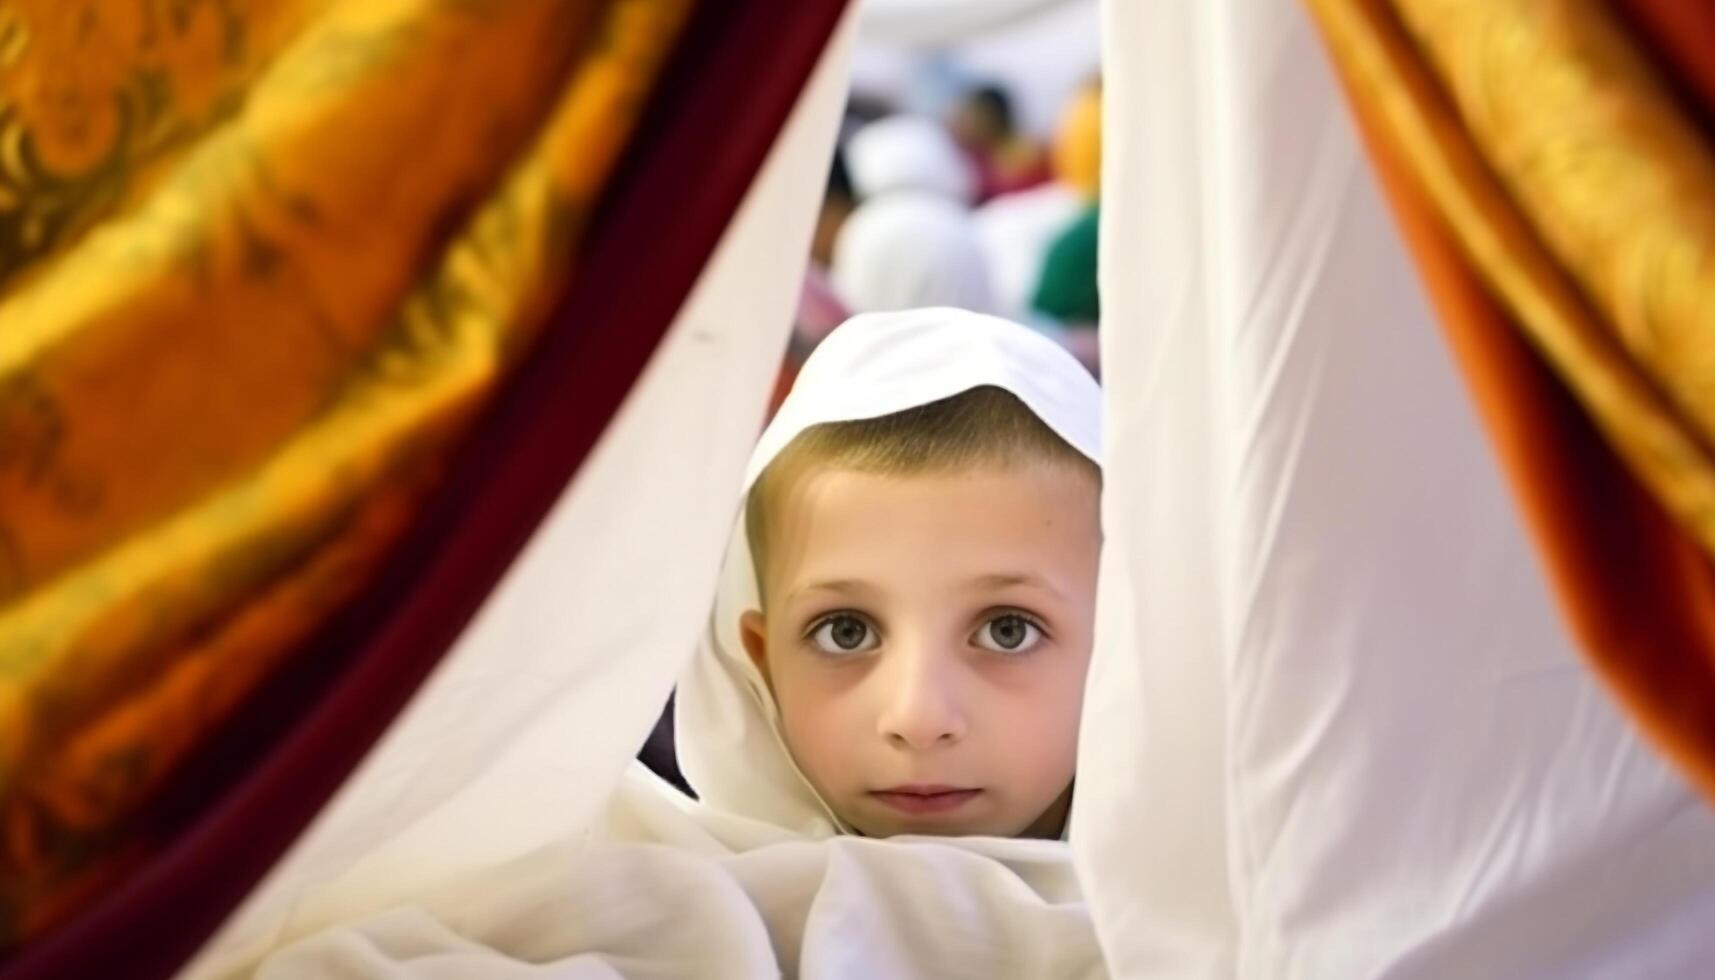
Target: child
{"points": [[906, 653], [906, 657]]}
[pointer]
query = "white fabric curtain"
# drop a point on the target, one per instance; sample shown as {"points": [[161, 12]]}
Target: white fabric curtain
{"points": [[1335, 727], [524, 732]]}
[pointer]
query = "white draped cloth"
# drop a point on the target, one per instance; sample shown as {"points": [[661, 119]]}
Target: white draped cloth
{"points": [[1334, 727], [526, 730]]}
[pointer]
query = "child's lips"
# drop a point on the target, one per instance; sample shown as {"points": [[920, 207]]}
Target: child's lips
{"points": [[925, 799]]}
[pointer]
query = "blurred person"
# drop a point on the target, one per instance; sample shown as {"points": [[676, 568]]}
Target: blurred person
{"points": [[1067, 290], [820, 309], [838, 202], [1017, 230], [985, 127], [911, 242], [1077, 150]]}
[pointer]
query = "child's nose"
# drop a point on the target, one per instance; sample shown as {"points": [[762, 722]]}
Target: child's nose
{"points": [[922, 704]]}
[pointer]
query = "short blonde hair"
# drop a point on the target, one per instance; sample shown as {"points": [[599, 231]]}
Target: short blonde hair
{"points": [[985, 426]]}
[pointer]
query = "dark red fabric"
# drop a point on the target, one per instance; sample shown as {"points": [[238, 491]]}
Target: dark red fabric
{"points": [[712, 119], [1679, 38]]}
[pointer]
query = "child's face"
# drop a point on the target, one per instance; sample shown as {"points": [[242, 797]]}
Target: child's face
{"points": [[926, 640]]}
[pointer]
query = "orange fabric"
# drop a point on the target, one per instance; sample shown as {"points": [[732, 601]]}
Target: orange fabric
{"points": [[1077, 149], [1616, 182], [276, 244], [1582, 195], [260, 263], [88, 784], [1637, 591]]}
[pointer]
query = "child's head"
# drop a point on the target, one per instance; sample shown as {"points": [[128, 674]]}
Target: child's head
{"points": [[928, 593]]}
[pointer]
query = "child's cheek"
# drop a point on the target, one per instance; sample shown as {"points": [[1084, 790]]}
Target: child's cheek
{"points": [[824, 732], [805, 722]]}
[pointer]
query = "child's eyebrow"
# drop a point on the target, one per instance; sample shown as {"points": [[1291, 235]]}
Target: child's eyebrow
{"points": [[845, 586], [1007, 580]]}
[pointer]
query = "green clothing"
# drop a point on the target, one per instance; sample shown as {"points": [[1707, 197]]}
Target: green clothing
{"points": [[1067, 289]]}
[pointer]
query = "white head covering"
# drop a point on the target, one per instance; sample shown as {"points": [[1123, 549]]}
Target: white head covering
{"points": [[909, 153], [729, 742], [911, 242], [910, 250]]}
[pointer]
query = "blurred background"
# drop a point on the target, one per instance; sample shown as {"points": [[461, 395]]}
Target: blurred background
{"points": [[967, 170]]}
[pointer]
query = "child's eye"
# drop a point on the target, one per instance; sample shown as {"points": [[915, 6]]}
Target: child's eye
{"points": [[842, 634], [1009, 633]]}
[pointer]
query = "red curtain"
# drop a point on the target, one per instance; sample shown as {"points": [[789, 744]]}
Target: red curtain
{"points": [[1681, 33], [235, 808]]}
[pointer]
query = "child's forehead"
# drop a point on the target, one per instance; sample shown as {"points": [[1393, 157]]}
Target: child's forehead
{"points": [[931, 535], [1024, 502], [811, 481]]}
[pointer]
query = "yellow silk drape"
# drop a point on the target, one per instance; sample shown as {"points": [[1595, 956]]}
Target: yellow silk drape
{"points": [[1581, 193], [259, 262]]}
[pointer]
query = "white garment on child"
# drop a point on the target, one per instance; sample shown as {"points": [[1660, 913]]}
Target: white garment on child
{"points": [[876, 364]]}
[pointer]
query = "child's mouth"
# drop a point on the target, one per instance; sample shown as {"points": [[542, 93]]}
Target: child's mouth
{"points": [[925, 799]]}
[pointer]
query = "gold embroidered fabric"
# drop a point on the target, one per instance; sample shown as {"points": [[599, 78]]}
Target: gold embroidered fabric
{"points": [[259, 261], [1580, 191]]}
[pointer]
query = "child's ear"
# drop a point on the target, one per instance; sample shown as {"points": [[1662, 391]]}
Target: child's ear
{"points": [[753, 630]]}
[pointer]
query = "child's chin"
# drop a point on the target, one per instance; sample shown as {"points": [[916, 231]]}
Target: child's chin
{"points": [[961, 828]]}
